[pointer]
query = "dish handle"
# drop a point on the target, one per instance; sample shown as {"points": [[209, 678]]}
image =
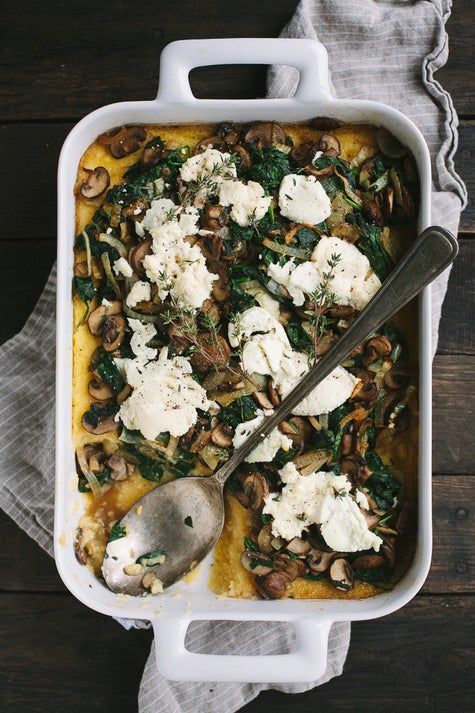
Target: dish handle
{"points": [[307, 663], [179, 58]]}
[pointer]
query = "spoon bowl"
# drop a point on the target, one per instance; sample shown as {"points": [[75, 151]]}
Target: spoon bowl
{"points": [[183, 518]]}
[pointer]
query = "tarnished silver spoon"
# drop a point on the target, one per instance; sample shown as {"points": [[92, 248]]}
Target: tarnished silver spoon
{"points": [[183, 518]]}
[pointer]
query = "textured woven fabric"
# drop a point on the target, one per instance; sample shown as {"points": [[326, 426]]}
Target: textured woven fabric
{"points": [[387, 51]]}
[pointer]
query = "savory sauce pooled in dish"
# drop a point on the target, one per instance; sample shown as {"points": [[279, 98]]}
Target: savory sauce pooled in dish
{"points": [[213, 266]]}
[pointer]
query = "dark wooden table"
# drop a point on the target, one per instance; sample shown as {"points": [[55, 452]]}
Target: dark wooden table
{"points": [[60, 60]]}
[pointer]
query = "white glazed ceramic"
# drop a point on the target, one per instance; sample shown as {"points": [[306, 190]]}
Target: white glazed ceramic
{"points": [[171, 612]]}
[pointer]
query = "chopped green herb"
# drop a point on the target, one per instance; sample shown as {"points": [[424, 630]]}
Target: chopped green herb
{"points": [[117, 531], [151, 559], [250, 545], [188, 521]]}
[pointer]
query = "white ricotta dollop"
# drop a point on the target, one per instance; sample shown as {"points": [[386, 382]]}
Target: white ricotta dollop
{"points": [[323, 499], [140, 292], [248, 200], [265, 349], [211, 167], [165, 397], [122, 267], [176, 266], [303, 199], [354, 283], [265, 451], [142, 334]]}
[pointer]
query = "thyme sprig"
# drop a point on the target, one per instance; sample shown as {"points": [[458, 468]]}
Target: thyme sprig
{"points": [[207, 183], [322, 299]]}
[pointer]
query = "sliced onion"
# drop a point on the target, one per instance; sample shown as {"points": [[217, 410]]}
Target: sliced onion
{"points": [[145, 318], [110, 275], [88, 474], [287, 250], [114, 243], [348, 190], [357, 415]]}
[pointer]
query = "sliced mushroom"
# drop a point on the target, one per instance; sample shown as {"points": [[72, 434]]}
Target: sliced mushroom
{"points": [[81, 269], [113, 332], [388, 548], [99, 390], [299, 546], [372, 210], [371, 518], [256, 563], [324, 123], [365, 392], [330, 145], [222, 435], [201, 439], [128, 141], [213, 217], [356, 468], [99, 426], [378, 347], [368, 562], [79, 550], [265, 135], [273, 394], [272, 586], [228, 133], [152, 155], [245, 161], [318, 560], [254, 490], [120, 467], [265, 539], [304, 154], [135, 210], [324, 343], [211, 310], [96, 183], [212, 351], [97, 316], [341, 575], [397, 378], [342, 311], [290, 567], [109, 137], [138, 253], [263, 400]]}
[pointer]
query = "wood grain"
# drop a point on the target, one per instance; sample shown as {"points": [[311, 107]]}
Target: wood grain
{"points": [[457, 326], [57, 655], [454, 413], [465, 165]]}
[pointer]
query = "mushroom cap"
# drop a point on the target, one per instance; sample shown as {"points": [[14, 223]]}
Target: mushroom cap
{"points": [[272, 585], [96, 183], [254, 490], [341, 575], [256, 562], [267, 134]]}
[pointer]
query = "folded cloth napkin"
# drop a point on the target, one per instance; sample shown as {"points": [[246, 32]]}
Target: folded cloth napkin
{"points": [[383, 50]]}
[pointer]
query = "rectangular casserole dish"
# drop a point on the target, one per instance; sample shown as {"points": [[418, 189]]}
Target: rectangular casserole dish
{"points": [[170, 614]]}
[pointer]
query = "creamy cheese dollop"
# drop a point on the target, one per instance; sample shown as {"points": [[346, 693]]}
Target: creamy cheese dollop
{"points": [[140, 292], [265, 349], [265, 451], [165, 396], [247, 200], [324, 499], [176, 266], [303, 199], [122, 267], [353, 283], [209, 169]]}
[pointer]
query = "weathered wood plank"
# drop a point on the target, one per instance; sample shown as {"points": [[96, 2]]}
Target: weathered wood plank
{"points": [[454, 413], [457, 75], [465, 165], [453, 563], [64, 64], [457, 325], [54, 652]]}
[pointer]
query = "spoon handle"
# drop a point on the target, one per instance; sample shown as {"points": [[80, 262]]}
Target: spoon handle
{"points": [[430, 255]]}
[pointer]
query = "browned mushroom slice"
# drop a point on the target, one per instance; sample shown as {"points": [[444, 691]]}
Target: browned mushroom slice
{"points": [[324, 343], [135, 210], [81, 269], [152, 155], [366, 393], [97, 316], [99, 390], [213, 217], [254, 490], [378, 347], [200, 440], [138, 253], [78, 548], [93, 423], [124, 394], [368, 562], [256, 563], [222, 435], [109, 137], [318, 561], [372, 210], [263, 400], [96, 183], [265, 135], [299, 546], [341, 575], [212, 350], [128, 141], [211, 310], [120, 467], [244, 160], [272, 586], [290, 567], [330, 145], [265, 539], [228, 133], [273, 393], [356, 468], [388, 548], [113, 332], [397, 378], [213, 142], [304, 154], [371, 518]]}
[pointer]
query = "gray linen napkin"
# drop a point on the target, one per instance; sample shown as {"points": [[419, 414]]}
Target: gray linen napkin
{"points": [[383, 50]]}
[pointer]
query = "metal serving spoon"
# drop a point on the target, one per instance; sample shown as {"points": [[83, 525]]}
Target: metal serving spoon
{"points": [[185, 517]]}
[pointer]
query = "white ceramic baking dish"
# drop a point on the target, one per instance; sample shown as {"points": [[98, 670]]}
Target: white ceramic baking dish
{"points": [[171, 614]]}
